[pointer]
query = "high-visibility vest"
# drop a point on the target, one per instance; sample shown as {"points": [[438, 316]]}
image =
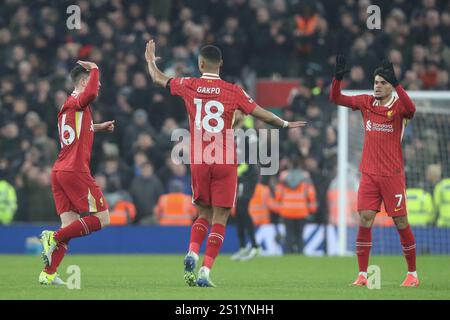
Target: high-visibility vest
{"points": [[442, 202], [260, 204], [123, 213], [333, 207], [8, 202], [175, 209], [296, 203], [420, 207]]}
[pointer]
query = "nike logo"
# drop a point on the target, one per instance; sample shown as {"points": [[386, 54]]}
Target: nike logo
{"points": [[398, 209]]}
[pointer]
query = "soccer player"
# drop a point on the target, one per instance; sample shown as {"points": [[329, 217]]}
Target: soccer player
{"points": [[74, 189], [210, 103], [382, 174]]}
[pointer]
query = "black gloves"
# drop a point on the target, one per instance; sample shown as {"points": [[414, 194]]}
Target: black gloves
{"points": [[340, 69], [388, 73]]}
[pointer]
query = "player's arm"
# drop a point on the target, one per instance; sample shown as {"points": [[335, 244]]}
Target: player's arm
{"points": [[107, 126], [336, 96], [158, 77], [272, 119], [248, 106], [408, 104], [90, 93]]}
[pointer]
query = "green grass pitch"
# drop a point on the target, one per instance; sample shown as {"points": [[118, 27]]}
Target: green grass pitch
{"points": [[161, 277]]}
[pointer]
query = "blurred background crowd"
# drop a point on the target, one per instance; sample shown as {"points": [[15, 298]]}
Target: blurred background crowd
{"points": [[258, 38]]}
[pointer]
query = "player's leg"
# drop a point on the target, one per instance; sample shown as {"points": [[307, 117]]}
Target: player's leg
{"points": [[364, 242], [199, 230], [200, 227], [201, 197], [369, 201], [394, 198], [409, 250], [63, 208], [86, 196], [103, 217], [48, 275], [213, 244], [67, 218], [223, 187]]}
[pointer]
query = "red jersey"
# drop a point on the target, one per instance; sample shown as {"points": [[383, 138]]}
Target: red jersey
{"points": [[76, 129], [384, 127], [210, 103]]}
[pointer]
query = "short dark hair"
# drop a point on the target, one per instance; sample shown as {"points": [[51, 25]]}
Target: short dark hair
{"points": [[77, 73], [379, 72], [211, 53]]}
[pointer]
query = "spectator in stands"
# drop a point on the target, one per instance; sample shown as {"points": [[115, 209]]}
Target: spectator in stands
{"points": [[120, 202], [10, 141], [231, 40], [146, 143], [140, 124], [36, 185], [259, 38], [179, 173], [175, 208], [146, 190], [47, 146], [295, 199]]}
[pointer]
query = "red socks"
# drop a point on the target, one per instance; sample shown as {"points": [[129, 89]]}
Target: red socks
{"points": [[409, 247], [57, 257], [363, 245], [215, 240], [199, 231], [79, 228]]}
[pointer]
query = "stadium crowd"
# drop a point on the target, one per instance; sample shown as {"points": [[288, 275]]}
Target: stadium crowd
{"points": [[258, 38]]}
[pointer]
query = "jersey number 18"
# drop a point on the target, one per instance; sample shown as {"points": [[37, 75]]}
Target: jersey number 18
{"points": [[205, 122]]}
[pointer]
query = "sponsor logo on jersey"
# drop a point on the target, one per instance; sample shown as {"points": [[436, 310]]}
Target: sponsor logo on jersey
{"points": [[373, 126]]}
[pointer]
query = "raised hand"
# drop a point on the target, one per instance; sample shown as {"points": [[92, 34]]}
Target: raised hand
{"points": [[150, 51], [87, 64], [389, 73], [340, 69]]}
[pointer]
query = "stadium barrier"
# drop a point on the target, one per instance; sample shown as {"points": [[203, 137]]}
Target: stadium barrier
{"points": [[21, 239]]}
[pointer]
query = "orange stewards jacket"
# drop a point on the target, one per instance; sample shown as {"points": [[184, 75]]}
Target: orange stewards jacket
{"points": [[259, 206], [175, 209], [123, 213], [295, 197]]}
